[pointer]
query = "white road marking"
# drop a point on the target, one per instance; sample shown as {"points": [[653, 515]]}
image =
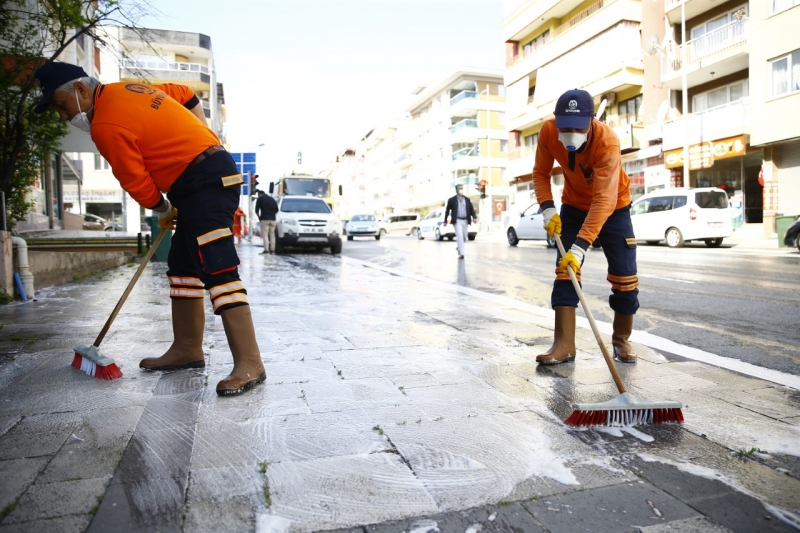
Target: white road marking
{"points": [[647, 339], [665, 279]]}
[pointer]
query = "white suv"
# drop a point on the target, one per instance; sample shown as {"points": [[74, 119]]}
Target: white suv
{"points": [[682, 214], [308, 222], [433, 226]]}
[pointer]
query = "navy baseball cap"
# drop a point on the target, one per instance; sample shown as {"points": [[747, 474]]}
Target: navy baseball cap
{"points": [[574, 109], [52, 76]]}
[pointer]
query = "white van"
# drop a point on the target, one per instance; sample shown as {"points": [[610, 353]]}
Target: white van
{"points": [[405, 223], [682, 214]]}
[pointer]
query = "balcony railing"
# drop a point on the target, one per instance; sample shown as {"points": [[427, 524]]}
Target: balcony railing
{"points": [[466, 123], [401, 157], [463, 94], [163, 65], [563, 28], [465, 152], [725, 37], [710, 124], [522, 151]]}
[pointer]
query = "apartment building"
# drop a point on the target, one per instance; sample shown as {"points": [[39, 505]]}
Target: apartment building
{"points": [[742, 84], [456, 135], [152, 56], [556, 45]]}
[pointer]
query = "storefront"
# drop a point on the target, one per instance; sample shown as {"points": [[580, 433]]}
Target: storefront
{"points": [[728, 164]]}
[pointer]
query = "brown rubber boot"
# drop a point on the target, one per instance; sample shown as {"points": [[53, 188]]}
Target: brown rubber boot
{"points": [[623, 326], [563, 348], [248, 371], [188, 322]]}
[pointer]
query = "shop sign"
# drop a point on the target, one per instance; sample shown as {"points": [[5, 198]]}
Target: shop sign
{"points": [[625, 136], [634, 167], [703, 155], [499, 206]]}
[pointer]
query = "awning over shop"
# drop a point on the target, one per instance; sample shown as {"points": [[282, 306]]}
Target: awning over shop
{"points": [[644, 153]]}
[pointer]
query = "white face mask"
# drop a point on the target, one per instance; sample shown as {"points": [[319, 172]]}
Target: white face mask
{"points": [[460, 192], [572, 141], [81, 121]]}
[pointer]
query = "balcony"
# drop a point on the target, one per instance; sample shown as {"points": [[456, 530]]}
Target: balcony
{"points": [[520, 162], [712, 124], [672, 8], [164, 65], [195, 75], [403, 160], [464, 131], [464, 104], [464, 152], [590, 22], [723, 51]]}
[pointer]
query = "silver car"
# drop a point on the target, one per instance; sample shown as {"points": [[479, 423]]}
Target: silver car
{"points": [[363, 226]]}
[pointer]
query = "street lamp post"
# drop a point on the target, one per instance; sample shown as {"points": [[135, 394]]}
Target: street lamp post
{"points": [[488, 198], [250, 201], [684, 96]]}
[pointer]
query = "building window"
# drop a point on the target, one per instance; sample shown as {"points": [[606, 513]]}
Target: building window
{"points": [[540, 41], [720, 96], [531, 140], [783, 5], [785, 74], [628, 110], [503, 145], [719, 32], [501, 117], [100, 163], [501, 89]]}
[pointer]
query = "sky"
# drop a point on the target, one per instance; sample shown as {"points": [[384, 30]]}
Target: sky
{"points": [[315, 76]]}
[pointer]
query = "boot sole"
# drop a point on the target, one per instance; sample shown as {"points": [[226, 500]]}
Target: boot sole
{"points": [[626, 360], [556, 361], [192, 364], [247, 386]]}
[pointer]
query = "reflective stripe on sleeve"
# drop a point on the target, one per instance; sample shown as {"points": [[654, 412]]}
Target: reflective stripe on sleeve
{"points": [[213, 236], [234, 179]]}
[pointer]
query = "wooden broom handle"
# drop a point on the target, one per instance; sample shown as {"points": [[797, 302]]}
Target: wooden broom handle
{"points": [[609, 361], [133, 281]]}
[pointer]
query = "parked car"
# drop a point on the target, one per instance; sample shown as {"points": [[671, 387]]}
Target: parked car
{"points": [[96, 223], [792, 237], [405, 223], [681, 215], [530, 226], [362, 226], [433, 226], [307, 222]]}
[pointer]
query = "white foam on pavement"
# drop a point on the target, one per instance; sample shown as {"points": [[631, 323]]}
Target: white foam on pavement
{"points": [[641, 337]]}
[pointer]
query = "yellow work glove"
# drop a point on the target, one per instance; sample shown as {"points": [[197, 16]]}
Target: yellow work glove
{"points": [[552, 222], [573, 259], [167, 215]]}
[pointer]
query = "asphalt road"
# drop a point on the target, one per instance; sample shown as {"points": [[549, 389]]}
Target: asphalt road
{"points": [[738, 304]]}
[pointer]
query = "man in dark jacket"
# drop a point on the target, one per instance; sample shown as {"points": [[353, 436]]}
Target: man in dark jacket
{"points": [[266, 209], [459, 212]]}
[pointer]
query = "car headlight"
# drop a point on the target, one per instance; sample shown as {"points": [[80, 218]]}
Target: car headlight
{"points": [[289, 221]]}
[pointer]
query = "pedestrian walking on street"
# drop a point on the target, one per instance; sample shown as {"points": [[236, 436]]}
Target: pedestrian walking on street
{"points": [[459, 212], [266, 209], [156, 139], [595, 205]]}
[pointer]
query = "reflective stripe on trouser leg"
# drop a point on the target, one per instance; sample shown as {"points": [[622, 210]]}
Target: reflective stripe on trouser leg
{"points": [[619, 246], [186, 287]]}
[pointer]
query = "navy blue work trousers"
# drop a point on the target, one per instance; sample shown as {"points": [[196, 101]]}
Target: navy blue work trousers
{"points": [[619, 246], [203, 256]]}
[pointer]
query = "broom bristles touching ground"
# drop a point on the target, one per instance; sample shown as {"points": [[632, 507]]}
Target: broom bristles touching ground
{"points": [[91, 362], [625, 410]]}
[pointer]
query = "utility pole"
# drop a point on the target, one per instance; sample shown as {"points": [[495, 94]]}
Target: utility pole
{"points": [[684, 96]]}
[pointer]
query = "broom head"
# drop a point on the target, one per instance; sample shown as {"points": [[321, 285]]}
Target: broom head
{"points": [[89, 360], [624, 410]]}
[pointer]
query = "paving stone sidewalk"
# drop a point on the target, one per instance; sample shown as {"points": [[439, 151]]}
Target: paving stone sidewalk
{"points": [[392, 403]]}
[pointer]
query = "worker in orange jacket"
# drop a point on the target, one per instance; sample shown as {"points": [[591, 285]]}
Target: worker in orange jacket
{"points": [[595, 204], [238, 225], [156, 139]]}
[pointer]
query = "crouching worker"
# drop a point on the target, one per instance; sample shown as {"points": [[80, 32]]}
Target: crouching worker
{"points": [[595, 205], [156, 140]]}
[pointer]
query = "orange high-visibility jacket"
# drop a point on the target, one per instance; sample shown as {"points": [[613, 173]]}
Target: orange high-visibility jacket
{"points": [[598, 185], [147, 135]]}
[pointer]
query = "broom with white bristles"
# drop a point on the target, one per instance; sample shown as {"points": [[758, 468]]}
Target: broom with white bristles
{"points": [[625, 409], [88, 359]]}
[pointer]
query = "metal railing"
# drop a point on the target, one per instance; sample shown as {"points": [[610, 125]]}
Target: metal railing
{"points": [[465, 152], [522, 151], [463, 94], [723, 38], [401, 157], [164, 65], [466, 123], [714, 123]]}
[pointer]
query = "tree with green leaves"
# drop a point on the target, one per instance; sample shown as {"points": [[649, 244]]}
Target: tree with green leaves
{"points": [[32, 33]]}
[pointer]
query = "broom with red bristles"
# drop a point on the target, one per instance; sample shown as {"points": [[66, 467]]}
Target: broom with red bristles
{"points": [[88, 359], [625, 409]]}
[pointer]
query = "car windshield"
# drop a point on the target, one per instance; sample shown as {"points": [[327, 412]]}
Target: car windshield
{"points": [[363, 218], [307, 187], [711, 200], [303, 205]]}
